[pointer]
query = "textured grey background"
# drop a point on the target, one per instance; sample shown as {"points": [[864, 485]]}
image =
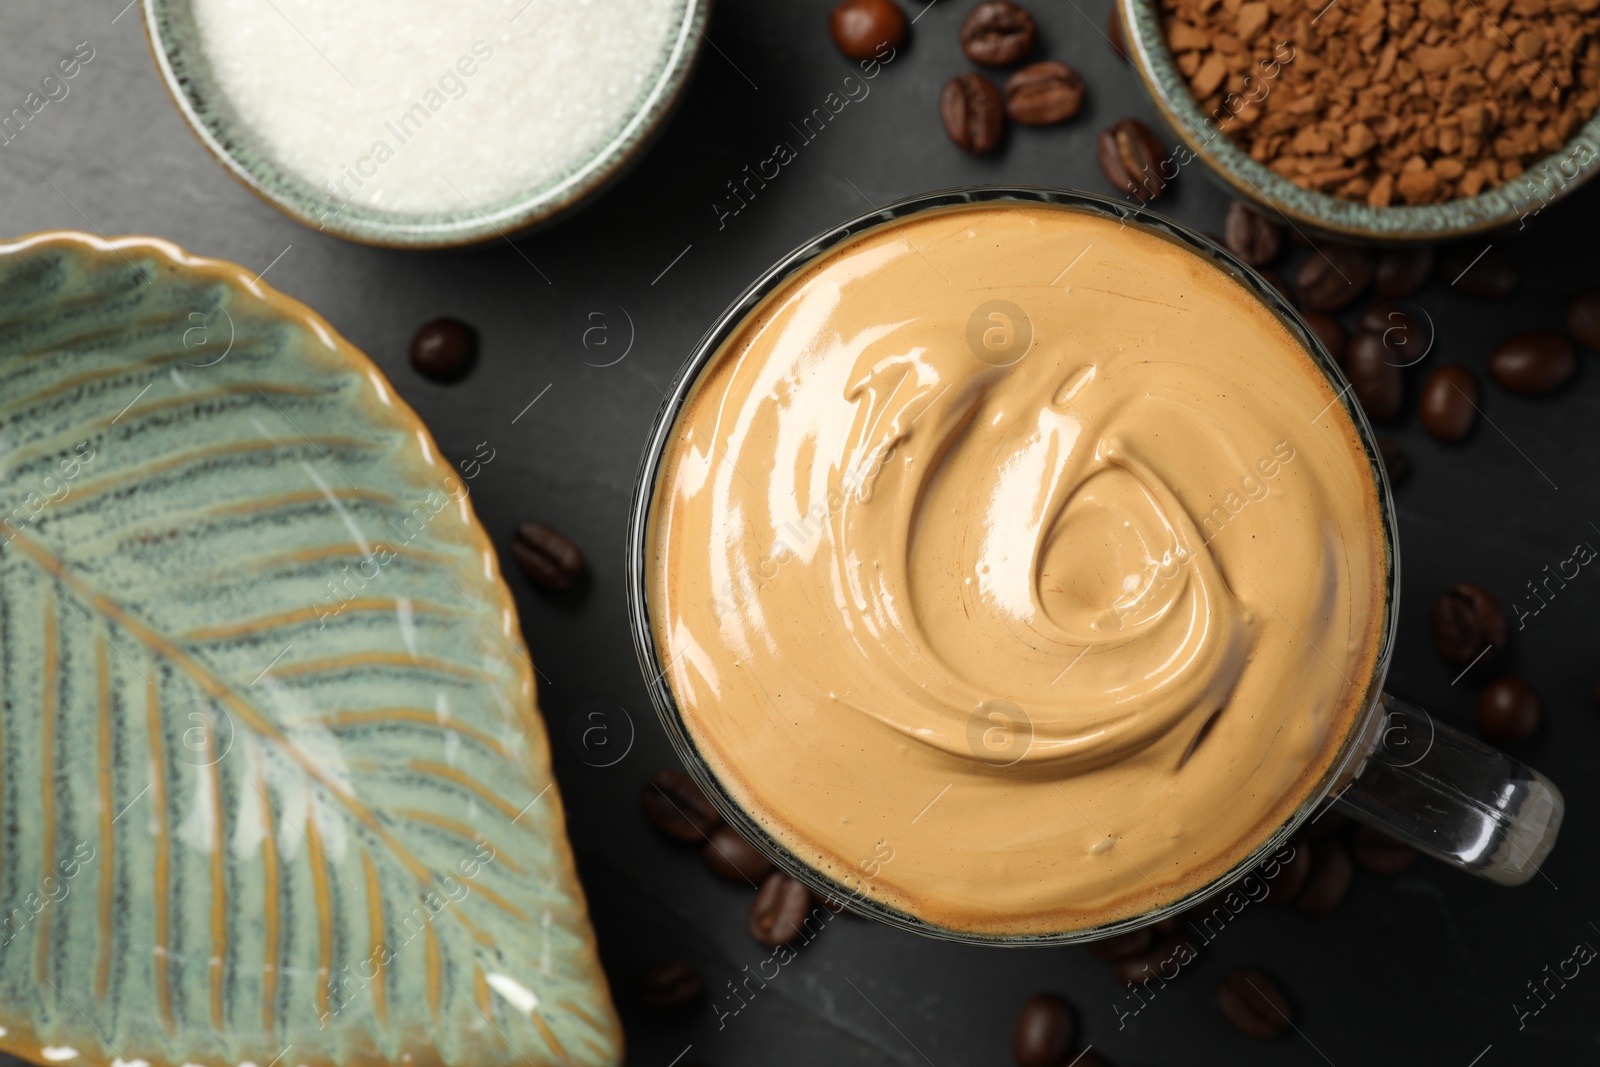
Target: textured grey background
{"points": [[1419, 968]]}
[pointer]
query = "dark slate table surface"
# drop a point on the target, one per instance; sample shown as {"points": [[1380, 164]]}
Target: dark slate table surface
{"points": [[1422, 967]]}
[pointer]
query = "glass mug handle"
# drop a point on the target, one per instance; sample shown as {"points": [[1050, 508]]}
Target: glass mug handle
{"points": [[1452, 796]]}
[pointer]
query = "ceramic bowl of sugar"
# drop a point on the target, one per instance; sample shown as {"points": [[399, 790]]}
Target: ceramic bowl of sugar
{"points": [[422, 124]]}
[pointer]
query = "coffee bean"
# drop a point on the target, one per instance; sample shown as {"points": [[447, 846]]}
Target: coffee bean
{"points": [[1122, 946], [1466, 620], [669, 985], [1332, 276], [1395, 461], [997, 33], [1508, 711], [675, 805], [1328, 331], [1485, 276], [1446, 408], [1405, 338], [1377, 851], [1402, 271], [1583, 319], [1331, 872], [972, 112], [1044, 1031], [1292, 875], [733, 859], [1253, 1003], [1533, 363], [1044, 93], [1375, 380], [548, 557], [1133, 158], [1114, 32], [779, 910], [444, 350], [862, 27], [1252, 236], [1161, 963]]}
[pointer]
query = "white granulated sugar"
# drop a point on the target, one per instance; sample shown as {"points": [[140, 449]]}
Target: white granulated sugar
{"points": [[435, 106]]}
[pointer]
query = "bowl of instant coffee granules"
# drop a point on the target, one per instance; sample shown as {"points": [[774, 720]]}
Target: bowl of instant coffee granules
{"points": [[1388, 121]]}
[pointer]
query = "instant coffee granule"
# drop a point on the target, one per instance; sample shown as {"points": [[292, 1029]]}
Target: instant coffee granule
{"points": [[1393, 102]]}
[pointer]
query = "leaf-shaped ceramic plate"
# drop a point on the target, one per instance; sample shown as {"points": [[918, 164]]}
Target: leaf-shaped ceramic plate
{"points": [[275, 789]]}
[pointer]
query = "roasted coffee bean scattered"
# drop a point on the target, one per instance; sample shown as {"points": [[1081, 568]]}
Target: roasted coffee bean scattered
{"points": [[733, 859], [1253, 1003], [1402, 271], [1114, 32], [1041, 94], [1377, 851], [1508, 711], [1405, 337], [1134, 159], [998, 33], [1292, 875], [1388, 315], [972, 112], [1043, 1032], [1332, 276], [444, 350], [1374, 376], [1482, 273], [1252, 236], [1329, 332], [779, 910], [1466, 620], [1122, 946], [1331, 871], [1583, 319], [1395, 461], [1447, 408], [1392, 103], [676, 806], [861, 28], [670, 985], [1533, 363], [1170, 952], [547, 556]]}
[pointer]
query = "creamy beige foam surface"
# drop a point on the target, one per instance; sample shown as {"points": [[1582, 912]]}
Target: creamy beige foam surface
{"points": [[1029, 642]]}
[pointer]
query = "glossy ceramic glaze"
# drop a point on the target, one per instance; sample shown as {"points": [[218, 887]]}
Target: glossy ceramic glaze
{"points": [[275, 787], [1515, 203], [184, 67]]}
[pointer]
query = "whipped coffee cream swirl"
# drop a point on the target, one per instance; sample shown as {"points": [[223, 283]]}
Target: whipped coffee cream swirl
{"points": [[1026, 548]]}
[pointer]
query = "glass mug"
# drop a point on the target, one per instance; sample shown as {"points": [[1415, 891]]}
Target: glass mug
{"points": [[1437, 789]]}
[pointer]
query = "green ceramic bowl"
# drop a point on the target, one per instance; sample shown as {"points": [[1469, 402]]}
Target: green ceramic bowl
{"points": [[185, 68], [1515, 203]]}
